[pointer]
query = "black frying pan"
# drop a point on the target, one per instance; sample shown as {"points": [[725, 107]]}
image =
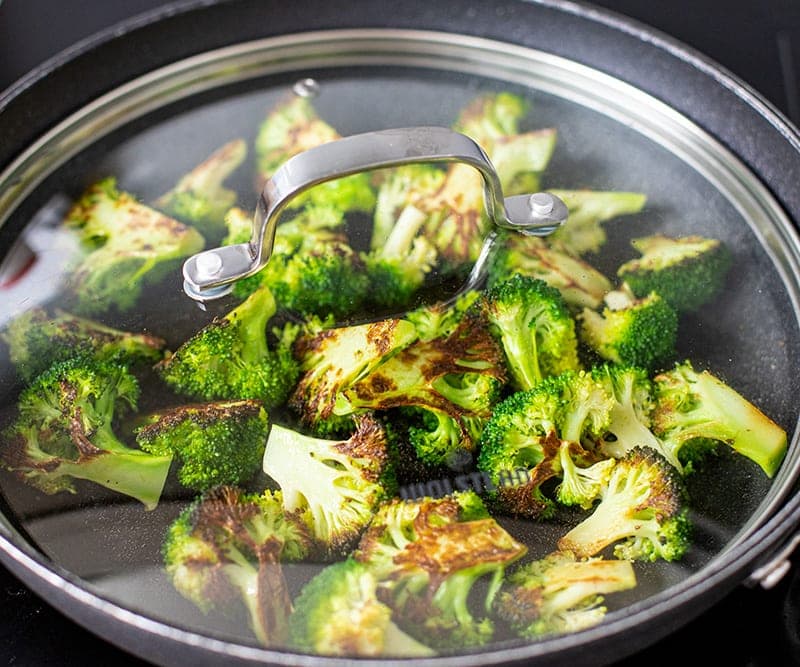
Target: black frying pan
{"points": [[690, 85]]}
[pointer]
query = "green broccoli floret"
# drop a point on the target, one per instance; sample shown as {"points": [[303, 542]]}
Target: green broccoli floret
{"points": [[36, 341], [127, 245], [64, 431], [442, 318], [338, 613], [527, 432], [580, 485], [427, 556], [631, 413], [215, 443], [334, 359], [200, 197], [583, 231], [337, 483], [491, 116], [226, 549], [535, 328], [230, 358], [581, 285], [293, 126], [558, 594], [642, 512], [439, 438], [692, 405], [632, 331], [687, 271]]}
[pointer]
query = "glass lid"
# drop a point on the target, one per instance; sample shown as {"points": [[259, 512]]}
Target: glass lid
{"points": [[369, 447]]}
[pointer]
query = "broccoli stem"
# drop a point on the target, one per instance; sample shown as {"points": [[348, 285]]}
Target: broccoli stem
{"points": [[253, 315]]}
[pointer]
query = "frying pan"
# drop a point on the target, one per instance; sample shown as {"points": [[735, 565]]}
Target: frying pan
{"points": [[738, 122]]}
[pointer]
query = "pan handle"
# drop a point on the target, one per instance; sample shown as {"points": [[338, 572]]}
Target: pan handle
{"points": [[211, 274]]}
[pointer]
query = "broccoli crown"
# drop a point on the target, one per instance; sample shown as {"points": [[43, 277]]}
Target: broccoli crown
{"points": [[686, 271], [580, 485], [64, 432], [491, 116], [227, 547], [427, 555], [337, 483], [580, 284], [559, 594], [641, 508], [442, 318], [533, 325], [216, 443], [230, 358], [440, 439], [455, 374], [693, 405], [334, 359], [636, 332], [200, 197], [36, 341], [521, 158], [338, 613], [126, 244], [583, 231]]}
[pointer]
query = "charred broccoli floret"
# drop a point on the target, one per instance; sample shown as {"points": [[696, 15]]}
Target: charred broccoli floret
{"points": [[442, 318], [558, 594], [226, 549], [580, 284], [531, 430], [200, 197], [532, 323], [583, 231], [335, 359], [64, 431], [215, 443], [126, 243], [692, 405], [338, 484], [687, 271], [339, 613], [427, 556], [36, 341], [637, 332], [230, 358], [642, 512]]}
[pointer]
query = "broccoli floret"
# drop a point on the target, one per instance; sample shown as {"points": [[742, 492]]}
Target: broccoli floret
{"points": [[427, 556], [631, 413], [535, 328], [558, 594], [642, 511], [442, 318], [439, 438], [580, 485], [581, 285], [527, 432], [215, 443], [632, 331], [334, 359], [230, 358], [583, 231], [227, 547], [36, 341], [692, 405], [293, 126], [337, 483], [200, 197], [491, 116], [687, 271], [338, 613], [127, 245], [64, 431]]}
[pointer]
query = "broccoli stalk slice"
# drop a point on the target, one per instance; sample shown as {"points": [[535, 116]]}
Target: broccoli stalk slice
{"points": [[583, 232], [200, 196], [338, 483], [692, 405], [641, 507]]}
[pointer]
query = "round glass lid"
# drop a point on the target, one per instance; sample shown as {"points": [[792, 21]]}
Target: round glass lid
{"points": [[370, 447]]}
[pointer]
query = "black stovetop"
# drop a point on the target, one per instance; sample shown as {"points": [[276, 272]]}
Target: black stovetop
{"points": [[757, 41]]}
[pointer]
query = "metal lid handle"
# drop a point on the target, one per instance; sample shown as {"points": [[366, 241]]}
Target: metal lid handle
{"points": [[210, 274]]}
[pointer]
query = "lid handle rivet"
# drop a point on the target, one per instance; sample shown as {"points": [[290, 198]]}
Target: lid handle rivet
{"points": [[541, 203], [209, 264]]}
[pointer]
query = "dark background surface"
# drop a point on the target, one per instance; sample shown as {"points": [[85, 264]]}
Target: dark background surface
{"points": [[757, 41]]}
